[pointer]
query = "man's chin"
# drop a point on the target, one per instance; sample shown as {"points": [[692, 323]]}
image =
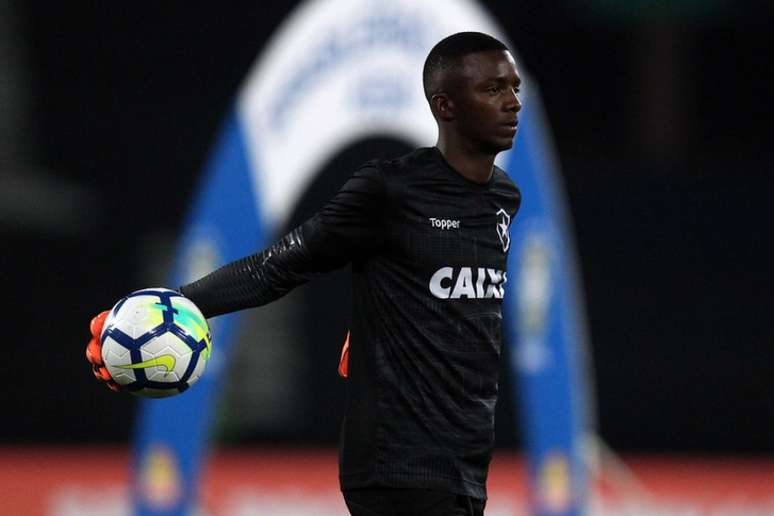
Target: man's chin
{"points": [[504, 144], [496, 145]]}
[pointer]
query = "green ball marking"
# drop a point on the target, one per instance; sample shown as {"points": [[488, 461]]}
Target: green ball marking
{"points": [[165, 361], [194, 325]]}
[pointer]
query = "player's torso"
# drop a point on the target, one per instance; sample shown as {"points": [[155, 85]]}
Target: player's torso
{"points": [[452, 234], [427, 330]]}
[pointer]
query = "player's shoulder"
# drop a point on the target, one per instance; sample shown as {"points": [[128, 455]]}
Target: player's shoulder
{"points": [[385, 177], [503, 184], [501, 179], [396, 174], [400, 165]]}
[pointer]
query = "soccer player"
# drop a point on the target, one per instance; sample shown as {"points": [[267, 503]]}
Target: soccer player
{"points": [[427, 237]]}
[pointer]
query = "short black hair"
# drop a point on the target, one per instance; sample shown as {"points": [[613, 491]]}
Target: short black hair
{"points": [[447, 52]]}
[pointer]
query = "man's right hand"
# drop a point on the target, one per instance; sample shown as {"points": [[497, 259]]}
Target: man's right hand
{"points": [[94, 352]]}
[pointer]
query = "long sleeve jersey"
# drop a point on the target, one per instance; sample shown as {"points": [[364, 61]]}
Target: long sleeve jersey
{"points": [[429, 251]]}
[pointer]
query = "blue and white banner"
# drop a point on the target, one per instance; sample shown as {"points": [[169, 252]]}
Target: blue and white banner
{"points": [[172, 435], [337, 72], [545, 319]]}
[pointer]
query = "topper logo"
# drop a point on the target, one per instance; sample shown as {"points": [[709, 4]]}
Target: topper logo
{"points": [[473, 283], [444, 223]]}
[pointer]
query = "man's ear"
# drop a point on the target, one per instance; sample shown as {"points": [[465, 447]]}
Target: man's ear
{"points": [[443, 106]]}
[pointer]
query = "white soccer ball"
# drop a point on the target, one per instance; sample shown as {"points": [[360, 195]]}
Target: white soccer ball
{"points": [[155, 343]]}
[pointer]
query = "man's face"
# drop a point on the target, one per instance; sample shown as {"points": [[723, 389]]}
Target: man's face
{"points": [[487, 101]]}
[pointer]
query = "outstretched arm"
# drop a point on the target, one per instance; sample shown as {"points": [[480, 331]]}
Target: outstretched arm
{"points": [[347, 228], [255, 280], [343, 230]]}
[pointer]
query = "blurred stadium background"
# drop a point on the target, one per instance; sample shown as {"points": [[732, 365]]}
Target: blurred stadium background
{"points": [[661, 118]]}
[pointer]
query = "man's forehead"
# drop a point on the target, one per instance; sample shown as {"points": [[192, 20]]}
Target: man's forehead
{"points": [[490, 63]]}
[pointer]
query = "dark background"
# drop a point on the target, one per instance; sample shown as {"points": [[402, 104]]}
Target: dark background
{"points": [[662, 125]]}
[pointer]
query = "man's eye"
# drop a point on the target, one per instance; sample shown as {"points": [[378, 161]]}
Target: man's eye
{"points": [[493, 89]]}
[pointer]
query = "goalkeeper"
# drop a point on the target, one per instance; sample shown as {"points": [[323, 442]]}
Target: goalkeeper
{"points": [[427, 237]]}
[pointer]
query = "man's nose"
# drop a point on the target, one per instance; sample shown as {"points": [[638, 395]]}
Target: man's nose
{"points": [[513, 102]]}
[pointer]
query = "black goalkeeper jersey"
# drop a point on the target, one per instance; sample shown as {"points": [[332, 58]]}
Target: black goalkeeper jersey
{"points": [[428, 250]]}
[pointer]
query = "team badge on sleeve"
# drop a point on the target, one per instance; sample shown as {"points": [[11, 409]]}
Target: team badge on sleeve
{"points": [[503, 221]]}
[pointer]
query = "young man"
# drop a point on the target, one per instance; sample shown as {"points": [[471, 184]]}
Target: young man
{"points": [[427, 237]]}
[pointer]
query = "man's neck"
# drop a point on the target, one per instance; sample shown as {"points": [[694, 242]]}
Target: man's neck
{"points": [[475, 166]]}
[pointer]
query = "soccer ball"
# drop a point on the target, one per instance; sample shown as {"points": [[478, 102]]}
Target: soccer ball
{"points": [[155, 343]]}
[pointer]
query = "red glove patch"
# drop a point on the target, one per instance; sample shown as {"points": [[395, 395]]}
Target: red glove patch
{"points": [[344, 360], [94, 352]]}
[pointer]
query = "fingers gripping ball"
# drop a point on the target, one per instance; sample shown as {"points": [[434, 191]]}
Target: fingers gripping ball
{"points": [[94, 352], [155, 342]]}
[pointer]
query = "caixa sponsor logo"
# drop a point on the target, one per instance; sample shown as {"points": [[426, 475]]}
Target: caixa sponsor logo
{"points": [[469, 282]]}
